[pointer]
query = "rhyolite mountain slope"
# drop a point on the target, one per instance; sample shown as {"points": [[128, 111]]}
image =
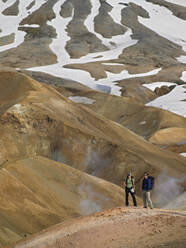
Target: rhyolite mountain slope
{"points": [[37, 120], [128, 110], [89, 86], [37, 193]]}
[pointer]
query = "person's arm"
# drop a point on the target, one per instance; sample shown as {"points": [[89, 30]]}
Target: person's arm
{"points": [[148, 184], [133, 184], [142, 185], [124, 183]]}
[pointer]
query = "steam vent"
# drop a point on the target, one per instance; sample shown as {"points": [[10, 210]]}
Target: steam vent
{"points": [[93, 123]]}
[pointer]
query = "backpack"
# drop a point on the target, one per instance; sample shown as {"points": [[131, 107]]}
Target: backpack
{"points": [[152, 181], [132, 178]]}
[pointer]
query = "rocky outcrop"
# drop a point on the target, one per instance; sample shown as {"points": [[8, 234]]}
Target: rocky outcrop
{"points": [[105, 25], [42, 15], [160, 91], [12, 10], [137, 92], [67, 9]]}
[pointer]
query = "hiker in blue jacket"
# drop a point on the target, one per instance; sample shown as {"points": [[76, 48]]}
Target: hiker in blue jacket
{"points": [[146, 187]]}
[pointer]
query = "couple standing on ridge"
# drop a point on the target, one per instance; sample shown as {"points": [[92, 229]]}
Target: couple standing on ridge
{"points": [[129, 185]]}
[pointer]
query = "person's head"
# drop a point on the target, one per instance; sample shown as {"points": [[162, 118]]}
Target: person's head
{"points": [[146, 174], [129, 175]]}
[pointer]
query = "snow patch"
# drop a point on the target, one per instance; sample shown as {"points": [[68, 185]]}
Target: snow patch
{"points": [[142, 123], [63, 58], [175, 101], [29, 26], [59, 43], [81, 99], [114, 64], [182, 59], [171, 28], [183, 77], [183, 154], [116, 11]]}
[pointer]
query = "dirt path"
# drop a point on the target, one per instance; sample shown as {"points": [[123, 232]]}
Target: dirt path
{"points": [[116, 228]]}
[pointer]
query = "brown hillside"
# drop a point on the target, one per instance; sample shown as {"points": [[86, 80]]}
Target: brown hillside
{"points": [[48, 124], [144, 121], [36, 193]]}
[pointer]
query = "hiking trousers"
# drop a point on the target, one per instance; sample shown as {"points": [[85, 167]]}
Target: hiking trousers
{"points": [[127, 191], [146, 199]]}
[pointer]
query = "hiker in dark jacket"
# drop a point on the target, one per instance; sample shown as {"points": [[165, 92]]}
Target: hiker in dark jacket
{"points": [[129, 185], [146, 187]]}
